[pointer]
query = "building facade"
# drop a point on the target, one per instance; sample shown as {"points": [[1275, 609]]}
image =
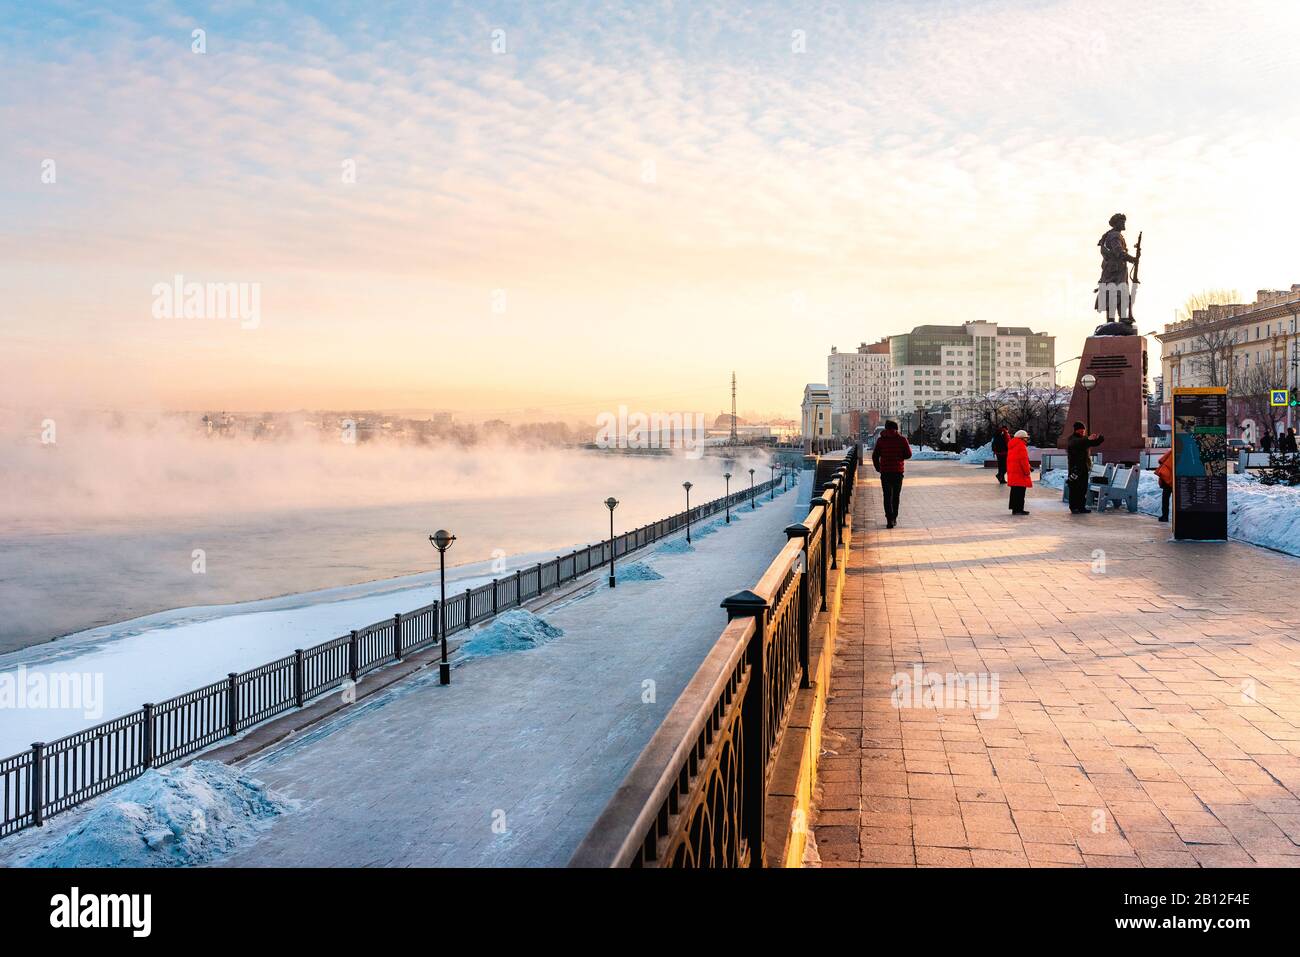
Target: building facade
{"points": [[817, 416], [933, 364], [1247, 348], [859, 381]]}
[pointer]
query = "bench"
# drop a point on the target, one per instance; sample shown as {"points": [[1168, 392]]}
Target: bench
{"points": [[1251, 460], [1121, 487], [1098, 476]]}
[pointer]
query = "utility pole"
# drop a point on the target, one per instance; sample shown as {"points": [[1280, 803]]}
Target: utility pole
{"points": [[733, 408]]}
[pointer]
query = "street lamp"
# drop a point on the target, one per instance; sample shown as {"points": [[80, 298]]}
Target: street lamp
{"points": [[611, 503], [752, 506], [687, 486], [441, 540], [1088, 382], [727, 476], [772, 480]]}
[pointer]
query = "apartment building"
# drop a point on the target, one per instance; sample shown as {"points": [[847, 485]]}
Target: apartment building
{"points": [[859, 381]]}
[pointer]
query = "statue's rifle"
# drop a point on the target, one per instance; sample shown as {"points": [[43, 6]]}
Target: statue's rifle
{"points": [[1137, 260]]}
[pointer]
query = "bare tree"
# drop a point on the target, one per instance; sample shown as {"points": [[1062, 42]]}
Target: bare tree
{"points": [[1213, 355], [1254, 386], [1206, 298]]}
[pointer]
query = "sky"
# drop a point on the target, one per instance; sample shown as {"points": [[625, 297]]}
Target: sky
{"points": [[557, 209]]}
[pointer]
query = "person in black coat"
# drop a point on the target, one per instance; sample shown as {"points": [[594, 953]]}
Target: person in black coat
{"points": [[1266, 440], [1000, 451], [1288, 441], [1078, 450]]}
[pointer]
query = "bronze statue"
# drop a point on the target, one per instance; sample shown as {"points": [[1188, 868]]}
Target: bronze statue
{"points": [[1115, 291]]}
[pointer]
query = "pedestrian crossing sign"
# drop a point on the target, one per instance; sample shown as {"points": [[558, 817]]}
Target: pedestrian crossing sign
{"points": [[1281, 396]]}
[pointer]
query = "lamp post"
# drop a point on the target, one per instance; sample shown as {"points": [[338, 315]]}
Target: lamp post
{"points": [[687, 486], [752, 506], [611, 503], [727, 476], [1088, 382], [772, 479], [441, 540]]}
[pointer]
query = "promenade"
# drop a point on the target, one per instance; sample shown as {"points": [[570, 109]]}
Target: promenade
{"points": [[1147, 705]]}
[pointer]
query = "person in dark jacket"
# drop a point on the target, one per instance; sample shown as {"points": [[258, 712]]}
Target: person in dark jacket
{"points": [[887, 457], [1000, 452], [1019, 472], [1078, 453], [1288, 443], [1266, 440]]}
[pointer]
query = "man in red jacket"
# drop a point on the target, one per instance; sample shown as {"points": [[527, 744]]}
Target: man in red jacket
{"points": [[1018, 471], [888, 456]]}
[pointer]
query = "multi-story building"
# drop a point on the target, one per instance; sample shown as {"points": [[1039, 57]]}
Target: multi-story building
{"points": [[859, 381], [1245, 347], [817, 422], [933, 364]]}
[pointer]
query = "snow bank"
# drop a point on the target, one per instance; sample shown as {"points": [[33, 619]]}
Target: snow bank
{"points": [[164, 818], [923, 453], [637, 572], [977, 456], [515, 630], [675, 546]]}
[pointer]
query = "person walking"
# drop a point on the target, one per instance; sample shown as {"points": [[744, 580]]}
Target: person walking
{"points": [[1266, 440], [1165, 475], [887, 458], [1018, 471], [1078, 454], [1288, 441], [1000, 451]]}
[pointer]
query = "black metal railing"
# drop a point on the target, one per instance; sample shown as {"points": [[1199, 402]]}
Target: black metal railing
{"points": [[55, 776], [696, 795]]}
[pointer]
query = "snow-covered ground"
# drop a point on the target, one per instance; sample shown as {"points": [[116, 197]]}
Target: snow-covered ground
{"points": [[1265, 515], [923, 453], [510, 764]]}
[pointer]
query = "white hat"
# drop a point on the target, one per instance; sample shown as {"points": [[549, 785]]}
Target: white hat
{"points": [[1022, 434]]}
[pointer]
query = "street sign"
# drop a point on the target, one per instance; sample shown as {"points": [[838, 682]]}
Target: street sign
{"points": [[1280, 397], [1200, 443]]}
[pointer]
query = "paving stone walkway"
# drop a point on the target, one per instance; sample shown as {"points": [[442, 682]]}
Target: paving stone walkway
{"points": [[1147, 705]]}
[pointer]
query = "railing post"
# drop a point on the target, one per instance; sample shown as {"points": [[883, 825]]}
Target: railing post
{"points": [[146, 739], [232, 702], [803, 532], [494, 596], [826, 544], [753, 717], [354, 657], [38, 783], [519, 586], [298, 679], [397, 637], [469, 606]]}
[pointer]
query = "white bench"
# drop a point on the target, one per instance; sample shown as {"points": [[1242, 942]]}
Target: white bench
{"points": [[1098, 475], [1121, 488], [1251, 460]]}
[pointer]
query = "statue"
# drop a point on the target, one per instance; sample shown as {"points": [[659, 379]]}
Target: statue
{"points": [[1114, 293]]}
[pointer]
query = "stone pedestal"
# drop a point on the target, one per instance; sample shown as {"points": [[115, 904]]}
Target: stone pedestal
{"points": [[1119, 409]]}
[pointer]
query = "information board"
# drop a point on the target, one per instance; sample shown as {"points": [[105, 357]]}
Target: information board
{"points": [[1200, 441]]}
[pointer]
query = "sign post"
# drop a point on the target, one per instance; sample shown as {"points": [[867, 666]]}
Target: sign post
{"points": [[1200, 443]]}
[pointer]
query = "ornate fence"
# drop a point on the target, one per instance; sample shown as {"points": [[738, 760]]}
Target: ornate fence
{"points": [[696, 795], [52, 777]]}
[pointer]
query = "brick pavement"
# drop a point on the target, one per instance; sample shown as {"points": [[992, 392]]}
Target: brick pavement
{"points": [[1148, 693]]}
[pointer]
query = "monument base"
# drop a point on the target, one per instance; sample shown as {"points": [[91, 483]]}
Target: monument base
{"points": [[1117, 406]]}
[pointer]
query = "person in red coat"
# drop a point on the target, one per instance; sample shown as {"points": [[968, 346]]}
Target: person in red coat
{"points": [[1018, 471], [891, 450]]}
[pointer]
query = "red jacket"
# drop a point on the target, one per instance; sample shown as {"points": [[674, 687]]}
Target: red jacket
{"points": [[890, 451], [1165, 470], [1018, 471]]}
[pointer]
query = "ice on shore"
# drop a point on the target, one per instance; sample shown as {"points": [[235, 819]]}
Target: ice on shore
{"points": [[515, 630], [167, 817]]}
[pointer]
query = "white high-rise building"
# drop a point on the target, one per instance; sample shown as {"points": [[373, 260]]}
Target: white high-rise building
{"points": [[932, 364], [859, 381]]}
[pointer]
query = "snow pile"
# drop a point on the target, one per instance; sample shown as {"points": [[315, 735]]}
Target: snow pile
{"points": [[977, 456], [675, 546], [515, 630], [1055, 478], [167, 818], [637, 572], [923, 453]]}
